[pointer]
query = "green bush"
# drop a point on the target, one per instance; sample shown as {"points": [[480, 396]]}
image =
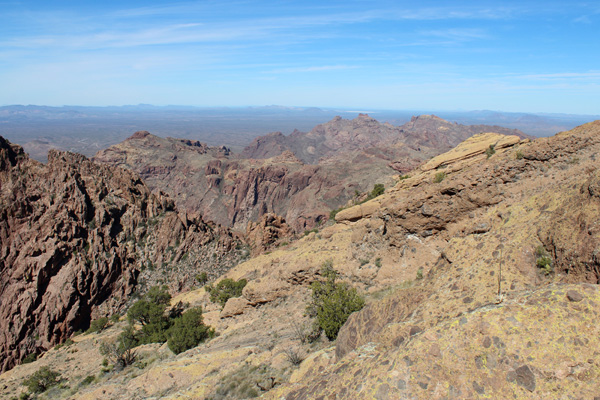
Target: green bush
{"points": [[29, 358], [98, 325], [225, 290], [378, 190], [543, 260], [188, 331], [202, 278], [332, 302], [88, 380], [440, 176], [490, 151], [42, 380]]}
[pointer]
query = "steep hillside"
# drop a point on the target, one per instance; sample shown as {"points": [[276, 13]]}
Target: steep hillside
{"points": [[77, 239], [300, 177], [233, 191], [481, 278]]}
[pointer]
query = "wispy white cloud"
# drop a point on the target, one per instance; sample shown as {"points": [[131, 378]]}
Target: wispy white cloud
{"points": [[563, 75], [320, 68]]}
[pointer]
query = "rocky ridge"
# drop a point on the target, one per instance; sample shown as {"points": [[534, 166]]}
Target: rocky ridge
{"points": [[300, 177], [77, 239]]}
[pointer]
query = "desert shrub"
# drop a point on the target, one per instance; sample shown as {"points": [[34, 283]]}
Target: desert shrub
{"points": [[88, 380], [543, 260], [419, 273], [519, 155], [225, 290], [334, 212], [440, 176], [29, 358], [121, 352], [293, 356], [202, 278], [378, 262], [98, 325], [115, 318], [378, 190], [42, 380], [246, 382], [67, 342], [188, 331], [332, 302], [490, 151]]}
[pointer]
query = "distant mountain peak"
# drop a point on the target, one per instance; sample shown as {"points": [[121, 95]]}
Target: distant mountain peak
{"points": [[140, 135]]}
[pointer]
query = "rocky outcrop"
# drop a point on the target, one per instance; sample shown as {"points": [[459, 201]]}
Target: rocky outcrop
{"points": [[77, 239], [270, 231]]}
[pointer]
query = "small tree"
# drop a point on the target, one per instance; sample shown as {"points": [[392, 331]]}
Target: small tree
{"points": [[188, 331], [42, 380], [225, 290], [150, 313], [332, 302]]}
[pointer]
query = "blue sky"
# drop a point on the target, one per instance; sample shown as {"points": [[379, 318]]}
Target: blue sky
{"points": [[533, 56]]}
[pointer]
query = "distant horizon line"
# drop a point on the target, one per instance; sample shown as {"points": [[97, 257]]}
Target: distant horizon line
{"points": [[299, 108]]}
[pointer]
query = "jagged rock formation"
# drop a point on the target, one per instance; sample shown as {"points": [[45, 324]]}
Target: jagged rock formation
{"points": [[77, 239], [426, 133], [300, 177], [270, 231]]}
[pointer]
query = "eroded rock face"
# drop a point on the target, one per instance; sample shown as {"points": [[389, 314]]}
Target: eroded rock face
{"points": [[75, 240], [268, 232], [301, 177]]}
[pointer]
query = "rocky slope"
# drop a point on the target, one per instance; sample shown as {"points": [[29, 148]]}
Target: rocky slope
{"points": [[232, 191], [300, 177], [77, 239], [457, 306], [426, 134]]}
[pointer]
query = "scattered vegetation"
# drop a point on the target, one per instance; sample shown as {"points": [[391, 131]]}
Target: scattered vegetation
{"points": [[202, 278], [378, 190], [225, 290], [490, 151], [247, 382], [315, 230], [419, 273], [440, 176], [378, 262], [41, 380], [543, 260], [519, 155], [121, 352], [293, 356], [181, 330], [332, 302], [29, 358], [403, 177], [67, 342], [98, 325], [88, 380], [188, 331]]}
